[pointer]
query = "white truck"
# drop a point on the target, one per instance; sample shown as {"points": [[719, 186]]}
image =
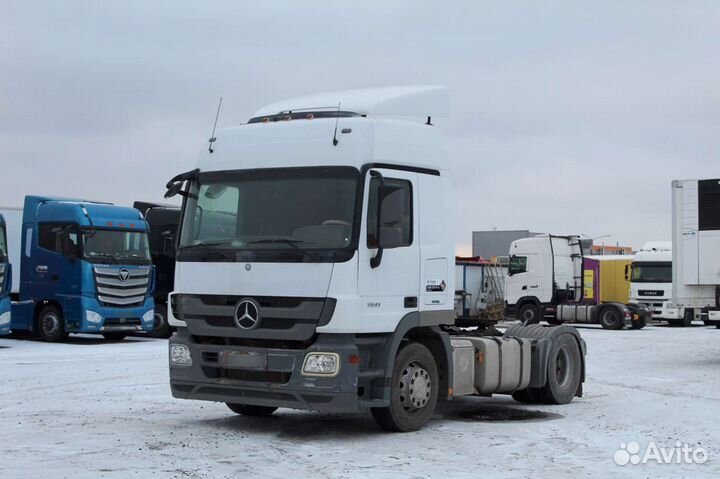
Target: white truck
{"points": [[651, 281], [696, 250], [315, 270], [550, 279]]}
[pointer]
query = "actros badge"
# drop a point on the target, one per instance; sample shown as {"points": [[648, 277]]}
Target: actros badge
{"points": [[247, 314]]}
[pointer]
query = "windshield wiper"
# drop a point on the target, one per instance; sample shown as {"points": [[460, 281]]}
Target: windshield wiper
{"points": [[291, 242], [103, 255], [207, 244]]}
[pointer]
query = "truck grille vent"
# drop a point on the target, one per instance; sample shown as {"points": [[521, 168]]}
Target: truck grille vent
{"points": [[121, 287]]}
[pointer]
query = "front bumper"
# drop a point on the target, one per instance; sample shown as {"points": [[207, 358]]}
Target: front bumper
{"points": [[121, 320], [5, 316], [279, 383]]}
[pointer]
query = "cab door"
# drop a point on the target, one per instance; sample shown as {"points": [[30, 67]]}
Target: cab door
{"points": [[388, 278]]}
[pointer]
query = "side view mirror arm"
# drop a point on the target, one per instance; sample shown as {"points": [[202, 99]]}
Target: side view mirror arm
{"points": [[377, 259]]}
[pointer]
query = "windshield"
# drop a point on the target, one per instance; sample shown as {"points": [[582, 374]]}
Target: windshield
{"points": [[116, 246], [298, 210], [3, 244], [660, 272]]}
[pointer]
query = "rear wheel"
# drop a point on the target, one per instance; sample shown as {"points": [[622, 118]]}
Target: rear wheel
{"points": [[161, 328], [114, 336], [51, 324], [530, 313], [250, 410], [687, 318], [611, 318], [564, 371], [414, 391], [641, 323]]}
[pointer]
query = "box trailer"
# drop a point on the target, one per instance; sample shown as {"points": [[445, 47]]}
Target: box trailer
{"points": [[696, 249]]}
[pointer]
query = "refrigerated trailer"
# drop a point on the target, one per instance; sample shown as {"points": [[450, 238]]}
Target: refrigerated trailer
{"points": [[5, 280], [315, 270], [83, 267], [696, 249], [549, 278]]}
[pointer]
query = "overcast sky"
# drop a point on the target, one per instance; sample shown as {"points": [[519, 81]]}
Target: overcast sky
{"points": [[567, 117]]}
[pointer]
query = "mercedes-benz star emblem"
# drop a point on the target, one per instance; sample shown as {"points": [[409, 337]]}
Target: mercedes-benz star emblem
{"points": [[123, 274], [247, 314]]}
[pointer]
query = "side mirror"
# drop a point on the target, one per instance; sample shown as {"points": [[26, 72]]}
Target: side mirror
{"points": [[627, 272], [174, 189]]}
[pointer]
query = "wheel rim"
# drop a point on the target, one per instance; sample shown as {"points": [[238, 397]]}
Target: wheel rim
{"points": [[50, 324], [562, 367], [415, 387], [528, 315], [609, 317]]}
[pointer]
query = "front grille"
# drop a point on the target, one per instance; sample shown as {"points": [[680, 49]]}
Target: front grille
{"points": [[279, 317], [116, 289], [273, 377], [122, 322], [650, 292]]}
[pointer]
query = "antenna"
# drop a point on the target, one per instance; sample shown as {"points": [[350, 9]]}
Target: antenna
{"points": [[212, 136], [337, 117]]}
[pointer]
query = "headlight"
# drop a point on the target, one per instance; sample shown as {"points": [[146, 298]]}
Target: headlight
{"points": [[93, 317], [180, 355], [5, 318], [149, 316], [321, 364]]}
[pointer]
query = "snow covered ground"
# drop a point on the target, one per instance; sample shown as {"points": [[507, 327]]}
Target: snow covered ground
{"points": [[89, 409]]}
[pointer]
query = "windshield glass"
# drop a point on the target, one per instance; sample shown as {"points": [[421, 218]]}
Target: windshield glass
{"points": [[3, 243], [652, 272], [289, 209], [116, 246]]}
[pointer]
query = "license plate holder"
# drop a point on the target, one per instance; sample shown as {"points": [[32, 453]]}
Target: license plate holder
{"points": [[244, 359]]}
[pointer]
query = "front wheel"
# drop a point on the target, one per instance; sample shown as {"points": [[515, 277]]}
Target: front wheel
{"points": [[687, 318], [161, 328], [51, 324], [529, 313], [114, 336], [413, 393], [250, 410]]}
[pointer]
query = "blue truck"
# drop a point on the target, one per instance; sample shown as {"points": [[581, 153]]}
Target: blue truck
{"points": [[85, 267], [5, 281]]}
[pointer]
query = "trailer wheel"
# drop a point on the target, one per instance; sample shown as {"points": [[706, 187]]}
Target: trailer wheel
{"points": [[529, 313], [161, 328], [50, 324], [413, 391], [563, 374], [687, 318], [114, 336], [250, 410], [611, 318]]}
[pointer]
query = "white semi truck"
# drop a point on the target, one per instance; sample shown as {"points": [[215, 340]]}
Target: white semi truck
{"points": [[696, 250], [315, 270], [550, 279]]}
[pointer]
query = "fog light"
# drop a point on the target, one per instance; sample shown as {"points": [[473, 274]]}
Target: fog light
{"points": [[180, 355], [93, 317], [321, 364], [149, 317], [5, 318]]}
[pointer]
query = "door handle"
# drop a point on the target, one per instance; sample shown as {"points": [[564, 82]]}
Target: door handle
{"points": [[41, 268], [524, 288]]}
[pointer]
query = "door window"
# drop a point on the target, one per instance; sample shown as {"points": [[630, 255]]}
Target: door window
{"points": [[518, 264], [404, 228]]}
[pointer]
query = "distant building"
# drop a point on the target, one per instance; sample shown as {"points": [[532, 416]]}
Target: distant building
{"points": [[601, 249], [496, 243]]}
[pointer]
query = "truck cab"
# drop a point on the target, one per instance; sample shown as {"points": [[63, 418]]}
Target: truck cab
{"points": [[315, 268], [85, 267], [5, 280], [163, 221], [651, 279]]}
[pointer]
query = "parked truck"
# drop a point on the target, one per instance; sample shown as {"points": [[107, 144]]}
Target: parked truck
{"points": [[163, 221], [315, 270], [5, 280], [695, 250], [549, 278], [84, 268]]}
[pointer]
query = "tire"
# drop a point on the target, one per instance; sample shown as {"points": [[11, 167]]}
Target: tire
{"points": [[564, 371], [528, 396], [114, 336], [687, 318], [250, 410], [717, 325], [639, 324], [161, 328], [51, 324], [413, 391], [611, 318], [529, 313], [674, 322], [554, 321]]}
